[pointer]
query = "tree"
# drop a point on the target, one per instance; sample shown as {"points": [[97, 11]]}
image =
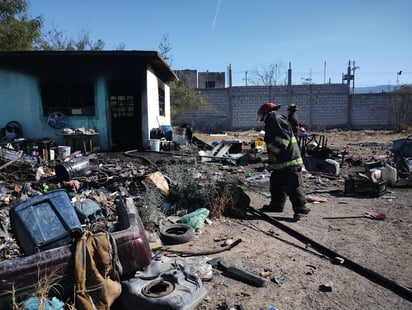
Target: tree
{"points": [[165, 49], [268, 76], [17, 30], [20, 33], [56, 39], [184, 98], [400, 104]]}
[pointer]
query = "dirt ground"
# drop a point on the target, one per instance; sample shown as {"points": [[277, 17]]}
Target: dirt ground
{"points": [[313, 263], [375, 270]]}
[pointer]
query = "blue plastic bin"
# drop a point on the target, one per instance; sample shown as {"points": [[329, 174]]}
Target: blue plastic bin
{"points": [[403, 146], [44, 222], [168, 130]]}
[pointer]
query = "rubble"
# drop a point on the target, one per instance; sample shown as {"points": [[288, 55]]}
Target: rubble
{"points": [[171, 182]]}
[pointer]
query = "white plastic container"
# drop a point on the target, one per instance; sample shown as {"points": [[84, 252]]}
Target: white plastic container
{"points": [[63, 151], [154, 145], [389, 174]]}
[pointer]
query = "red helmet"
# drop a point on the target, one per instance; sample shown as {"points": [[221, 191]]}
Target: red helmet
{"points": [[266, 108]]}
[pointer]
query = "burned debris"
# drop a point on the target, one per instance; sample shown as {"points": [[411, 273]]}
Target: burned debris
{"points": [[135, 195]]}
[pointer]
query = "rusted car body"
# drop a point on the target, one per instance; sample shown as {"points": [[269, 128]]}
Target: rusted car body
{"points": [[22, 274]]}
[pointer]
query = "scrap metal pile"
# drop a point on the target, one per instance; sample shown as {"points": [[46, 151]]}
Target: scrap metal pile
{"points": [[160, 183]]}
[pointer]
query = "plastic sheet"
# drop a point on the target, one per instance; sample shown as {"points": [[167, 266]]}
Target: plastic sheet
{"points": [[196, 219]]}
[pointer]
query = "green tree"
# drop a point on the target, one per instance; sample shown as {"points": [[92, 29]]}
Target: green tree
{"points": [[17, 30], [184, 98]]}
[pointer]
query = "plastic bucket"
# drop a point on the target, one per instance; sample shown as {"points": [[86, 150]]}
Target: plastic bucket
{"points": [[63, 151], [154, 145], [72, 168], [389, 174]]}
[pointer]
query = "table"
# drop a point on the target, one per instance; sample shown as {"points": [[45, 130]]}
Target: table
{"points": [[84, 140]]}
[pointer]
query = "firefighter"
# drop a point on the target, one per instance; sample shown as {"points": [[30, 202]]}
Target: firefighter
{"points": [[293, 119], [284, 160]]}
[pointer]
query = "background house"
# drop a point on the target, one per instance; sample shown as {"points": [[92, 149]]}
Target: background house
{"points": [[121, 95], [195, 79]]}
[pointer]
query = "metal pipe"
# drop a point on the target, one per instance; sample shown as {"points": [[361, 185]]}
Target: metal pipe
{"points": [[367, 273]]}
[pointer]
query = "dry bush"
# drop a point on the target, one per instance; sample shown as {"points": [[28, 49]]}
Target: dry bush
{"points": [[216, 197], [199, 184], [150, 205], [191, 185], [45, 287]]}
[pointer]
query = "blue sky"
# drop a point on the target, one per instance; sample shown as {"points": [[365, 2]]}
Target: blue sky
{"points": [[318, 38]]}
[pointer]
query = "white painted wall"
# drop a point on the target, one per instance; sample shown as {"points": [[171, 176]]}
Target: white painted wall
{"points": [[154, 119]]}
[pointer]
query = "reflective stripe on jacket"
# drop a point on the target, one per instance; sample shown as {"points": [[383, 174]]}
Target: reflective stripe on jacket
{"points": [[281, 142], [287, 164]]}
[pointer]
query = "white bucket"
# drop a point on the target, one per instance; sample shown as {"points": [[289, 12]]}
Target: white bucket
{"points": [[63, 151], [154, 145]]}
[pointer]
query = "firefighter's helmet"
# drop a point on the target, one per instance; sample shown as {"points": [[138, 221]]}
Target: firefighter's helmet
{"points": [[292, 107], [265, 109]]}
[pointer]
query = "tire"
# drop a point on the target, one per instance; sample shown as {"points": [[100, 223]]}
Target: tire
{"points": [[176, 233]]}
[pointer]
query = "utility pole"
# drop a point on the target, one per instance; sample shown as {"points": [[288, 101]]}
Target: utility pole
{"points": [[347, 77], [397, 78], [353, 76], [246, 77], [290, 75], [230, 75]]}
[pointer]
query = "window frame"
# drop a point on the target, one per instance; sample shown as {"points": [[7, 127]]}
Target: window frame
{"points": [[73, 98], [162, 99]]}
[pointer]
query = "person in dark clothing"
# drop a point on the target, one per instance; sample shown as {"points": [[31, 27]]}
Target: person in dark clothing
{"points": [[285, 162], [189, 132], [293, 118]]}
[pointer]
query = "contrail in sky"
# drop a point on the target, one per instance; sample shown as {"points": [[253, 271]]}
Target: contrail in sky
{"points": [[219, 2]]}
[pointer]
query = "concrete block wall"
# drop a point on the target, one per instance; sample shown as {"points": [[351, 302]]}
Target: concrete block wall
{"points": [[371, 111], [245, 103], [213, 117], [322, 106], [319, 105]]}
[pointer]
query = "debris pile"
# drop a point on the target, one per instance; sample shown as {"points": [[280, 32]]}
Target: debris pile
{"points": [[176, 191]]}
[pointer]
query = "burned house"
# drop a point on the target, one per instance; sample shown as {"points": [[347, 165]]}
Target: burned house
{"points": [[117, 95]]}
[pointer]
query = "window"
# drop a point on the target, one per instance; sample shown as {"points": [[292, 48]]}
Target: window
{"points": [[70, 98], [122, 106], [210, 84], [162, 104]]}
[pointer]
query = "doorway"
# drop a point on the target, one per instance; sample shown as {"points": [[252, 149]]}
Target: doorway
{"points": [[125, 115]]}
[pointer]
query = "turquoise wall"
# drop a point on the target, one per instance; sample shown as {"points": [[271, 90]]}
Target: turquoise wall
{"points": [[20, 101]]}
